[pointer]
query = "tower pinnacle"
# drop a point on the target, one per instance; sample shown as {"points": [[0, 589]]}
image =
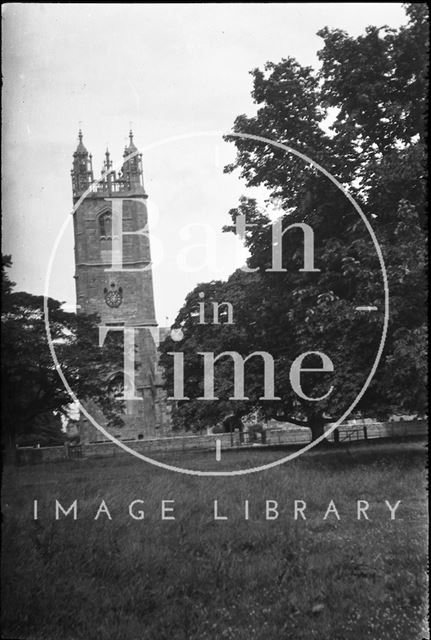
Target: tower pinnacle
{"points": [[80, 149], [82, 171], [132, 167], [108, 161]]}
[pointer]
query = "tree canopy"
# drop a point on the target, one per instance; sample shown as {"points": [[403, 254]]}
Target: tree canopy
{"points": [[33, 395], [361, 117]]}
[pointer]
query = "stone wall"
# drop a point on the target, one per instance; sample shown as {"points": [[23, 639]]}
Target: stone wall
{"points": [[274, 437], [96, 280]]}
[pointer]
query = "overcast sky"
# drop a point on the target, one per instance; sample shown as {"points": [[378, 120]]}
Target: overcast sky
{"points": [[172, 71]]}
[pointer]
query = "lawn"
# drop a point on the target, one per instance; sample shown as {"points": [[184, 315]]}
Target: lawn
{"points": [[195, 577]]}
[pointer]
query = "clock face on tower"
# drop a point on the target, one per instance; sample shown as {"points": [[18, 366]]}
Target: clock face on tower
{"points": [[113, 296]]}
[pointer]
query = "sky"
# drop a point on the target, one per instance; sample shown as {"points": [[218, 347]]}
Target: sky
{"points": [[178, 74]]}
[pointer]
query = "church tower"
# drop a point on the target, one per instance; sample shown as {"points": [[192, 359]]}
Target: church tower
{"points": [[113, 275]]}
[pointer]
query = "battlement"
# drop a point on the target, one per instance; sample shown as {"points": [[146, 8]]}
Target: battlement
{"points": [[128, 181]]}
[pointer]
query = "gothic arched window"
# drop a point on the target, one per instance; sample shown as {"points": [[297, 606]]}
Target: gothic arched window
{"points": [[105, 226]]}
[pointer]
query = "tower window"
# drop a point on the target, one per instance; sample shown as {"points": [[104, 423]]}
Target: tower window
{"points": [[105, 226]]}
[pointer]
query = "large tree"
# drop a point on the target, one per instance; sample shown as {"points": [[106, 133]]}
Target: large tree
{"points": [[33, 395], [373, 88]]}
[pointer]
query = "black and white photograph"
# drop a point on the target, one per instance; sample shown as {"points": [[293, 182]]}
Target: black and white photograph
{"points": [[214, 321]]}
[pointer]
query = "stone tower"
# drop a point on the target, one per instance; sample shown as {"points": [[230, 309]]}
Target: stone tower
{"points": [[114, 277]]}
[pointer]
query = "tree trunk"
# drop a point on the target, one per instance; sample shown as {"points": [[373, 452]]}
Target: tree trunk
{"points": [[9, 447], [316, 423]]}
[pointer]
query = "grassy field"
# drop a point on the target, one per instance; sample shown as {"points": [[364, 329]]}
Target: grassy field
{"points": [[198, 578]]}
